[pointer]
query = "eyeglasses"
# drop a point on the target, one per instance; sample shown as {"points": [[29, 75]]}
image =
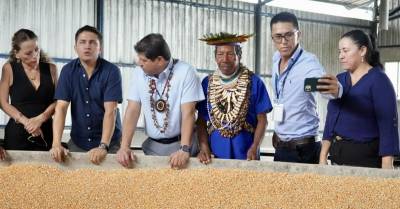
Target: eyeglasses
{"points": [[278, 38], [38, 140]]}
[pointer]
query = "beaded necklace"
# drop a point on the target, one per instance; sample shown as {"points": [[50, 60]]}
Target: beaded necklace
{"points": [[229, 106], [161, 105]]}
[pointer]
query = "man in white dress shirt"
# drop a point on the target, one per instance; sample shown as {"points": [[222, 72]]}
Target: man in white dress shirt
{"points": [[166, 90]]}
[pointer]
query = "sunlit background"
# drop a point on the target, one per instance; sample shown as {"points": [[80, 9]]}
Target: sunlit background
{"points": [[364, 13]]}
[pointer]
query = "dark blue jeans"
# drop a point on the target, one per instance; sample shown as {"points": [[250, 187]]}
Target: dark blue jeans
{"points": [[307, 153]]}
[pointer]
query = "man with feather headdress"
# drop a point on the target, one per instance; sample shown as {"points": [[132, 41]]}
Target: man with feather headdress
{"points": [[232, 119]]}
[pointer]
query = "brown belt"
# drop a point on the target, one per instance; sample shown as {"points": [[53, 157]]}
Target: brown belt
{"points": [[278, 143]]}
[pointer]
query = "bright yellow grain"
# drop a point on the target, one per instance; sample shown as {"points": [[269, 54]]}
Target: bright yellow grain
{"points": [[29, 186]]}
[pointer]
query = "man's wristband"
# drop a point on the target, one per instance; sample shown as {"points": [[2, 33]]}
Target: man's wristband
{"points": [[185, 148], [103, 146]]}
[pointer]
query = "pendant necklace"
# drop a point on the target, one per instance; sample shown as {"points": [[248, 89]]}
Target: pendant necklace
{"points": [[161, 105]]}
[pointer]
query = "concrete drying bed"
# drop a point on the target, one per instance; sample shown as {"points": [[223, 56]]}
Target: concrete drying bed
{"points": [[80, 160]]}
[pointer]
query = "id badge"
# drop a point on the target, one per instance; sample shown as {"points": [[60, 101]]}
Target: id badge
{"points": [[278, 112]]}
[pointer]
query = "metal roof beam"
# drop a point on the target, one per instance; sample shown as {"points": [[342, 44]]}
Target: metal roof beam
{"points": [[394, 11]]}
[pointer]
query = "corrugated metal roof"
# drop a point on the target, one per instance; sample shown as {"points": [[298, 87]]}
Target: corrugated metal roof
{"points": [[350, 4]]}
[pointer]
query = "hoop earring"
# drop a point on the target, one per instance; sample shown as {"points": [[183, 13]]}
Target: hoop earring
{"points": [[362, 59], [18, 60]]}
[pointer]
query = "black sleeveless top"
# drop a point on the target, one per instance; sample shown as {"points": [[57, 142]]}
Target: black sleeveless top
{"points": [[30, 102]]}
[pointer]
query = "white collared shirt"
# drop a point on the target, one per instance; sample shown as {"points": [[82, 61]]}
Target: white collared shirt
{"points": [[185, 87]]}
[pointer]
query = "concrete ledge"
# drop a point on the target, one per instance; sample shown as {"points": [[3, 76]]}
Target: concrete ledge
{"points": [[80, 160]]}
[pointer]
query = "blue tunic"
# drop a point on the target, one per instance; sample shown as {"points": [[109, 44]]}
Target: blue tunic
{"points": [[237, 147], [366, 111]]}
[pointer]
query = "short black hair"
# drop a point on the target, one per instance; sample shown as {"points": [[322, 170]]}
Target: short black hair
{"points": [[152, 46], [285, 17], [88, 28]]}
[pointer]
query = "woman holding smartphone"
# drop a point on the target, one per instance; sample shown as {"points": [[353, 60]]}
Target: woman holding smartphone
{"points": [[361, 126]]}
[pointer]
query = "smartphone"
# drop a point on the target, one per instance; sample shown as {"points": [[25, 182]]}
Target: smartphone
{"points": [[310, 84]]}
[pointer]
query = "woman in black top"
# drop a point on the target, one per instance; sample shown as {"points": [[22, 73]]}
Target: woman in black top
{"points": [[29, 80]]}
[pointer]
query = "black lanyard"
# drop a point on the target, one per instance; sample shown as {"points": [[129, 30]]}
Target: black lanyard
{"points": [[287, 74]]}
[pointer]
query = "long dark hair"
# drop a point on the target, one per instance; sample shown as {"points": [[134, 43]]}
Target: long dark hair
{"points": [[360, 38], [20, 36]]}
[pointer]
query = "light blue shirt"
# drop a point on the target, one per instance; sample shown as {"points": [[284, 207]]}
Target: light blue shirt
{"points": [[300, 118], [185, 87]]}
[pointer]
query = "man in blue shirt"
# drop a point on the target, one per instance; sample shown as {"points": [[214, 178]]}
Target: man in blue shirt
{"points": [[93, 87], [295, 114]]}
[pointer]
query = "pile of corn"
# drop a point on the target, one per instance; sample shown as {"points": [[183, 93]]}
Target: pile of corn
{"points": [[32, 186]]}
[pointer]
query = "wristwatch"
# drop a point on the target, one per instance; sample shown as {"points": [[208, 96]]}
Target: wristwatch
{"points": [[185, 148], [103, 146]]}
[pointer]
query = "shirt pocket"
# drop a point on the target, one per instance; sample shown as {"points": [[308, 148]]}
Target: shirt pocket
{"points": [[96, 90]]}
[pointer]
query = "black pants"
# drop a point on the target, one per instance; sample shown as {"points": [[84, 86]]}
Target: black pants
{"points": [[306, 153], [352, 153]]}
